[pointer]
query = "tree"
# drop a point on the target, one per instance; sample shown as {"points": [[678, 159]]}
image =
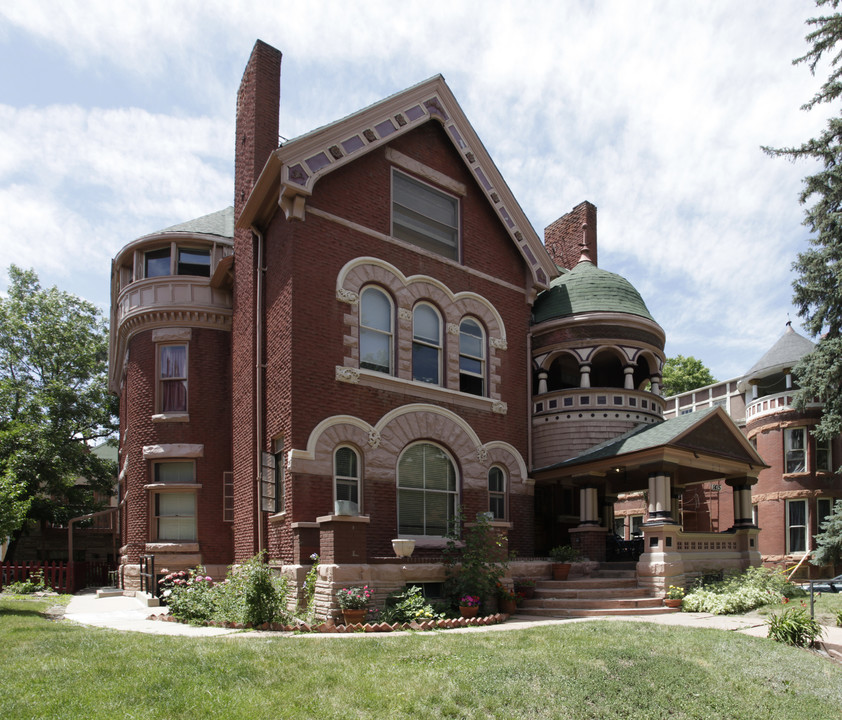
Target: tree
{"points": [[829, 542], [685, 373], [818, 290], [54, 403]]}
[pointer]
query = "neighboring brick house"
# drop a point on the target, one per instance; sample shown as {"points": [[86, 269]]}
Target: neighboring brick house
{"points": [[373, 340]]}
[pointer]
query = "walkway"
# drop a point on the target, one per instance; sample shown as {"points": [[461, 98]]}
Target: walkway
{"points": [[129, 613]]}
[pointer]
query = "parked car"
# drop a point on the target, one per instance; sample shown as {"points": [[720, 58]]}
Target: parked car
{"points": [[834, 585]]}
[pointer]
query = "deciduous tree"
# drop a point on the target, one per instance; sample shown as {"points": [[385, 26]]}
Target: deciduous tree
{"points": [[685, 373], [54, 402]]}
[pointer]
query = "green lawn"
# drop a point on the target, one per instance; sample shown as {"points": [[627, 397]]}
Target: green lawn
{"points": [[579, 670]]}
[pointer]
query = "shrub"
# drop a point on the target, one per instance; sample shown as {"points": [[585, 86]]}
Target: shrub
{"points": [[478, 566], [192, 599], [33, 584], [263, 591], [794, 627], [408, 605], [742, 592]]}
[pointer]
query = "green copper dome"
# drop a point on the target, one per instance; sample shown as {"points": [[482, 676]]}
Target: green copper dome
{"points": [[587, 288]]}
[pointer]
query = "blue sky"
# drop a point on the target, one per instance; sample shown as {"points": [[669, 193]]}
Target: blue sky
{"points": [[117, 119]]}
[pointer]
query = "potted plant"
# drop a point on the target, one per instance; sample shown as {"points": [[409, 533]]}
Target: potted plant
{"points": [[353, 602], [562, 557], [507, 600], [674, 596], [469, 605], [526, 587]]}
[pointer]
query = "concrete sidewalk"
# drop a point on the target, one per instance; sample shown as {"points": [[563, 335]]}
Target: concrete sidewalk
{"points": [[130, 613]]}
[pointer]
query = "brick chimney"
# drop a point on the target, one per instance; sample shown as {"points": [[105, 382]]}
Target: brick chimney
{"points": [[258, 116], [563, 238]]}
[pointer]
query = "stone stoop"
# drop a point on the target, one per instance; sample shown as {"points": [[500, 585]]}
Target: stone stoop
{"points": [[606, 591]]}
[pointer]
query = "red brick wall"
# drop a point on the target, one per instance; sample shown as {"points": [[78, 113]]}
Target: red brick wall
{"points": [[563, 238], [305, 322], [208, 389]]}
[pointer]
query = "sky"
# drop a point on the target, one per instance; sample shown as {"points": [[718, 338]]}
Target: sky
{"points": [[117, 120]]}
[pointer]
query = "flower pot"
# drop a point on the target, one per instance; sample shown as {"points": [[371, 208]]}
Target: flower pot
{"points": [[561, 571], [508, 606], [354, 616], [468, 612], [403, 547], [673, 602]]}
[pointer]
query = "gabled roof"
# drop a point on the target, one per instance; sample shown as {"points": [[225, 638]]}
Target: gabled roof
{"points": [[703, 440], [292, 171]]}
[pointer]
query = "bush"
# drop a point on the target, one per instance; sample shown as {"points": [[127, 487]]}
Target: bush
{"points": [[252, 593], [33, 584], [476, 568], [408, 605], [794, 627], [740, 593]]}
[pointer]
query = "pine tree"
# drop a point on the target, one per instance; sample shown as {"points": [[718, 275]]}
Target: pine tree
{"points": [[829, 542], [818, 287]]}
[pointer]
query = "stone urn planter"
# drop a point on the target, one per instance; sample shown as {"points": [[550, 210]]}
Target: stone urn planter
{"points": [[403, 547]]}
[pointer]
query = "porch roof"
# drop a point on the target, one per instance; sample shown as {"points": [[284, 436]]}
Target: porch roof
{"points": [[697, 447]]}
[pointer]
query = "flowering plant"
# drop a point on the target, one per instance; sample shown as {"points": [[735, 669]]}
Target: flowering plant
{"points": [[675, 593], [503, 593], [355, 598], [469, 601]]}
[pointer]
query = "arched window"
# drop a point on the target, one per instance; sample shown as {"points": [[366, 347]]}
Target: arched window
{"points": [[346, 475], [376, 330], [471, 357], [426, 344], [497, 492], [427, 491]]}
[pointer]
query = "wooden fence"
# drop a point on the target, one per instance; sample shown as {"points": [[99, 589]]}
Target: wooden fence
{"points": [[60, 576]]}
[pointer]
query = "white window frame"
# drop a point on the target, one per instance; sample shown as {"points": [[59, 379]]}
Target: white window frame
{"points": [[424, 231], [501, 495], [789, 450], [181, 487], [421, 342], [161, 380], [388, 333], [190, 520], [349, 480], [476, 358], [453, 495], [790, 527]]}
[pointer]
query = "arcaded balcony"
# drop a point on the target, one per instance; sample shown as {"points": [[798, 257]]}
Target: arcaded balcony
{"points": [[640, 403]]}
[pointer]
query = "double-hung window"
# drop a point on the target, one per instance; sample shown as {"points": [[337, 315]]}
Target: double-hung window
{"points": [[471, 357], [376, 330], [427, 491], [823, 458], [497, 493], [426, 344], [172, 378], [346, 475], [796, 526], [175, 512], [425, 216], [795, 449]]}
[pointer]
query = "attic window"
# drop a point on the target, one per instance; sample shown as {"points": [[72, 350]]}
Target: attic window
{"points": [[424, 216]]}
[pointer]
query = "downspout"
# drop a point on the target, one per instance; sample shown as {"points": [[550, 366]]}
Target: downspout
{"points": [[258, 404]]}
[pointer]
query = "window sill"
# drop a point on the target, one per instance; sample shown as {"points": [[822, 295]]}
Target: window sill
{"points": [[390, 383], [171, 417], [158, 487], [163, 546], [433, 542], [796, 475], [278, 517]]}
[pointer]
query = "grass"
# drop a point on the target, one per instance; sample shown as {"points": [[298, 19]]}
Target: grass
{"points": [[825, 607], [577, 670]]}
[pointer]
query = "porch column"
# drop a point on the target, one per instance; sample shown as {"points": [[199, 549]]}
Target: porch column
{"points": [[628, 381], [660, 499], [588, 507], [542, 381], [741, 488], [585, 375], [656, 384]]}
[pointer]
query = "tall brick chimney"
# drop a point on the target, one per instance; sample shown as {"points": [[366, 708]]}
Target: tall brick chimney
{"points": [[563, 238], [258, 116]]}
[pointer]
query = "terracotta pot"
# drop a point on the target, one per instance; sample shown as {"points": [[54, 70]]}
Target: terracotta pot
{"points": [[352, 617], [508, 606], [561, 571], [468, 612], [673, 602]]}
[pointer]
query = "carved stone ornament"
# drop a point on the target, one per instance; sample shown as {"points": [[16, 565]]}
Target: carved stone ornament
{"points": [[404, 314], [347, 296], [347, 374], [374, 438], [482, 454], [499, 407], [335, 151], [499, 343], [452, 329], [471, 157]]}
